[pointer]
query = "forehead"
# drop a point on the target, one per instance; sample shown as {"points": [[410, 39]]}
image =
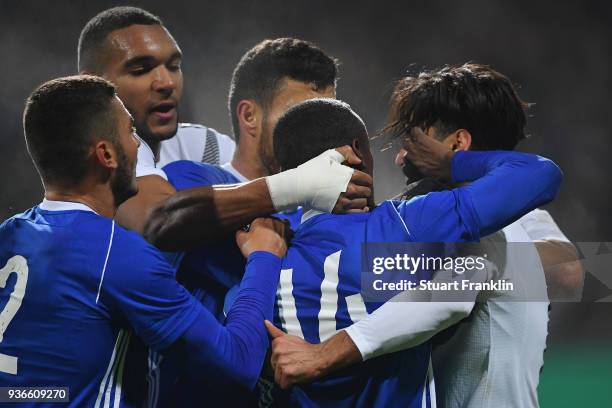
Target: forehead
{"points": [[291, 92], [140, 40]]}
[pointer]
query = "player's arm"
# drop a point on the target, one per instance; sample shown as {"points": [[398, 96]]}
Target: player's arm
{"points": [[562, 268], [503, 186], [166, 317], [194, 216], [236, 352], [152, 190]]}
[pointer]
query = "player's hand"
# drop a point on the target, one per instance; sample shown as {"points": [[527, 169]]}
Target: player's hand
{"points": [[293, 359], [359, 188], [431, 157], [323, 183], [264, 234]]}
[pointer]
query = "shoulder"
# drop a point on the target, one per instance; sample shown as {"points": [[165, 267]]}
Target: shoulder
{"points": [[184, 174], [130, 256]]}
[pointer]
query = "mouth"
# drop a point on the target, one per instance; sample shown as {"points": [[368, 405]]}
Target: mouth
{"points": [[164, 111]]}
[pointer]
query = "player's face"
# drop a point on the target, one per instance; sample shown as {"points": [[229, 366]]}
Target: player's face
{"points": [[289, 94], [144, 62], [123, 181], [409, 170]]}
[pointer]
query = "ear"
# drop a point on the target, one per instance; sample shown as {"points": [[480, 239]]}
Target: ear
{"points": [[461, 140], [356, 145], [105, 155], [248, 114]]}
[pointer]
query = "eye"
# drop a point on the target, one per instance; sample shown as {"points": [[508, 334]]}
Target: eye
{"points": [[174, 66], [139, 70]]}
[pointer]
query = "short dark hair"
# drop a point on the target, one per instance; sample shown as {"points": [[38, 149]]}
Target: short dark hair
{"points": [[61, 119], [101, 25], [311, 127], [471, 96], [260, 70]]}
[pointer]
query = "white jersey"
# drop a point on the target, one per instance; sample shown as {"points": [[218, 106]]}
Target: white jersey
{"points": [[494, 357], [191, 142]]}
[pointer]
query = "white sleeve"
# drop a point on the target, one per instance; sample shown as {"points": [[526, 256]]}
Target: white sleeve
{"points": [[398, 325], [540, 226], [414, 316]]}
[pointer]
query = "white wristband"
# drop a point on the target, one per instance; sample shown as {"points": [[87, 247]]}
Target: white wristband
{"points": [[316, 184]]}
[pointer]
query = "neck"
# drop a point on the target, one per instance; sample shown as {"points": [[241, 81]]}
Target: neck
{"points": [[248, 164], [100, 198]]}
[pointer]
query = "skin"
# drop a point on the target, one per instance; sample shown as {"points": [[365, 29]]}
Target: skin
{"points": [[96, 190], [254, 155], [144, 62]]}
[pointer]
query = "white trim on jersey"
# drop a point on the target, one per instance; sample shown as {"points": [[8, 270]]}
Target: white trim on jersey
{"points": [[310, 214], [153, 378], [110, 245], [401, 219], [115, 366], [53, 205]]}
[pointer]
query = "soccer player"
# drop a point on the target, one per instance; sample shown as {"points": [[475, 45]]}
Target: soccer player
{"points": [[132, 48], [270, 78], [494, 358], [78, 289], [319, 290]]}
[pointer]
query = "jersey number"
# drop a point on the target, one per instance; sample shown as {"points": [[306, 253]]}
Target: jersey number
{"points": [[19, 265], [329, 301]]}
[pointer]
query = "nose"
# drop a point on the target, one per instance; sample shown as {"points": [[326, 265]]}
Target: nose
{"points": [[399, 158], [163, 81]]}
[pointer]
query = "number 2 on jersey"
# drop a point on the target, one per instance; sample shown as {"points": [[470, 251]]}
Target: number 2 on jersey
{"points": [[19, 265]]}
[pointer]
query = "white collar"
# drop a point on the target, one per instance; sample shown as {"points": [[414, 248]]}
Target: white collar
{"points": [[52, 205], [231, 169], [310, 214]]}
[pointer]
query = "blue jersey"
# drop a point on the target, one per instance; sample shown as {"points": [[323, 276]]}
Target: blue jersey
{"points": [[320, 293], [216, 268], [66, 306], [78, 291], [212, 273], [320, 286]]}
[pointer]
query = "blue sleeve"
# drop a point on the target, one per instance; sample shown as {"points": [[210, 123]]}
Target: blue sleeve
{"points": [[236, 351], [184, 174], [140, 285], [504, 186]]}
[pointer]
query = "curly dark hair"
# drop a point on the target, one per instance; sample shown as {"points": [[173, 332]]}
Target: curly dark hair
{"points": [[471, 96]]}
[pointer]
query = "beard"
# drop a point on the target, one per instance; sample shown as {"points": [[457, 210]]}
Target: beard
{"points": [[123, 181]]}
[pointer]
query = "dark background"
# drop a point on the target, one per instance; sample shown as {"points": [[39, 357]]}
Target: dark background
{"points": [[558, 53]]}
